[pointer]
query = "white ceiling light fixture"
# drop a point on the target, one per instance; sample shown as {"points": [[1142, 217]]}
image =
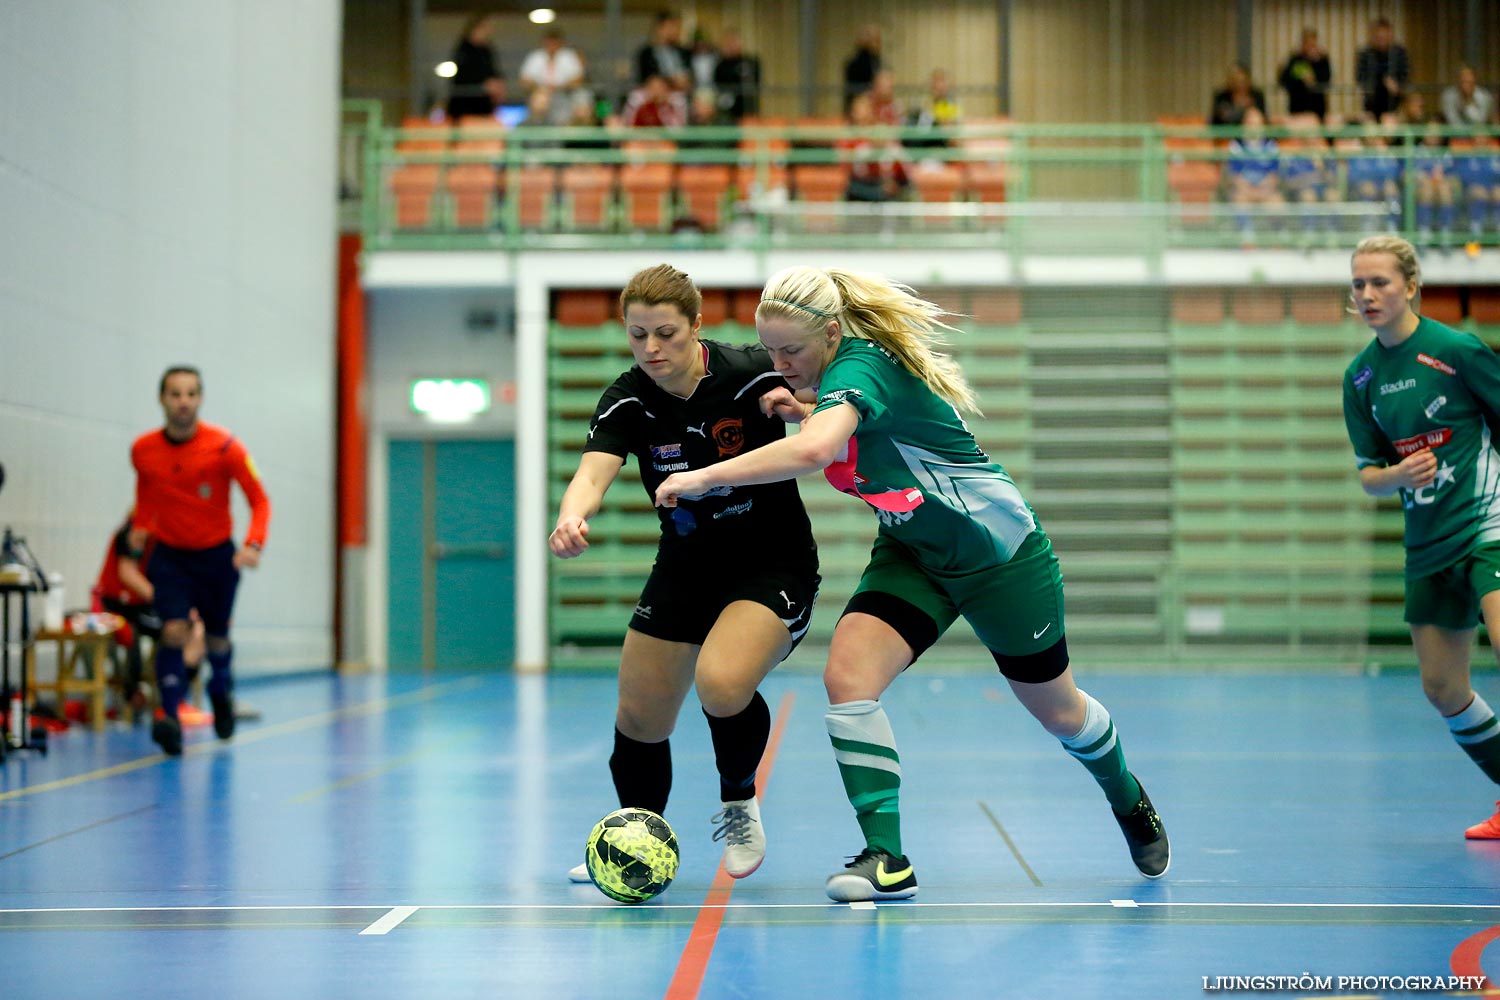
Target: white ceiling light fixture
{"points": [[446, 69], [542, 15]]}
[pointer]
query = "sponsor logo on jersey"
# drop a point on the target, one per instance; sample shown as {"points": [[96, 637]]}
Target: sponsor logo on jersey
{"points": [[1386, 388], [1437, 404], [670, 466], [698, 430], [1431, 439], [1432, 362], [1363, 376], [841, 395], [666, 451], [739, 508], [729, 436]]}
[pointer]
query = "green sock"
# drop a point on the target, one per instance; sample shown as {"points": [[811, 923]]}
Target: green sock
{"points": [[1098, 748], [1478, 731], [865, 749]]}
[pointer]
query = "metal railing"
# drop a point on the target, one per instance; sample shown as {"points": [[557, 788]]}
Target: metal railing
{"points": [[1023, 189]]}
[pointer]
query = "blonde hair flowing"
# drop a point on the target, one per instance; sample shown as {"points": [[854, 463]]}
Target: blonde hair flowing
{"points": [[874, 308]]}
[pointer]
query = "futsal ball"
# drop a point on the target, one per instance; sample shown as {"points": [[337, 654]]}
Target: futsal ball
{"points": [[631, 855]]}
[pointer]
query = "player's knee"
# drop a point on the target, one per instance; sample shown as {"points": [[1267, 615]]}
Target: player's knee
{"points": [[1449, 695], [641, 723], [723, 694], [176, 633], [219, 644]]}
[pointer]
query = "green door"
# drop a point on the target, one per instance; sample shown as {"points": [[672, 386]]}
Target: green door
{"points": [[452, 573]]}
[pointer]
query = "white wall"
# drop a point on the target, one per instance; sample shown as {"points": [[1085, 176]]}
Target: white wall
{"points": [[430, 333], [167, 176]]}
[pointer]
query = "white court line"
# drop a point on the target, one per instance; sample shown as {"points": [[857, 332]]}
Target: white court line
{"points": [[904, 904], [391, 920], [863, 904], [1124, 904]]}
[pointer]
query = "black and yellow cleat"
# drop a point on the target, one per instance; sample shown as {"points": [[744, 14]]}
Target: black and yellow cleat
{"points": [[1147, 838], [873, 875]]}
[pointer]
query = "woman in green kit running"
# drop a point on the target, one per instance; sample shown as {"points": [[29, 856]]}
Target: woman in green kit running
{"points": [[882, 418], [1422, 404]]}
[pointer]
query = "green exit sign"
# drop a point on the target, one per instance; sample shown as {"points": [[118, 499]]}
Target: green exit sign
{"points": [[450, 400]]}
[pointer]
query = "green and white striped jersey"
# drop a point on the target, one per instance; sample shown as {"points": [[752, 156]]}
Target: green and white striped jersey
{"points": [[1438, 389]]}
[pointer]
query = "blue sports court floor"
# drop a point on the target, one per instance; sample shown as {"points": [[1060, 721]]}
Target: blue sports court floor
{"points": [[384, 837]]}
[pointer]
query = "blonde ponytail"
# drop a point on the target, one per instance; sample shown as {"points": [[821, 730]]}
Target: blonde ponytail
{"points": [[877, 309]]}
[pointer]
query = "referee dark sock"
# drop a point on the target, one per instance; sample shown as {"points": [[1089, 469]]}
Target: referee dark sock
{"points": [[642, 773], [739, 743], [220, 683], [171, 678]]}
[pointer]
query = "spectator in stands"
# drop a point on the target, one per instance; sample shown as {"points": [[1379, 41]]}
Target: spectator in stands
{"points": [[1305, 77], [737, 78], [664, 55], [1436, 182], [1375, 176], [1252, 171], [883, 101], [704, 61], [703, 109], [655, 104], [877, 167], [1467, 103], [1305, 174], [477, 88], [555, 71], [1382, 70], [860, 70], [940, 111], [1237, 97], [1478, 173]]}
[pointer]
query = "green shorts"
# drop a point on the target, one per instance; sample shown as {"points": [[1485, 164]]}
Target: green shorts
{"points": [[1450, 597], [1016, 608]]}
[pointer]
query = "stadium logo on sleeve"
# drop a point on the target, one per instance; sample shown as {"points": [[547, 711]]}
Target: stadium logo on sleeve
{"points": [[1432, 362], [729, 435], [666, 451], [1363, 377]]}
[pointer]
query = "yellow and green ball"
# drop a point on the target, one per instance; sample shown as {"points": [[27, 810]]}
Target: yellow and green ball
{"points": [[632, 855]]}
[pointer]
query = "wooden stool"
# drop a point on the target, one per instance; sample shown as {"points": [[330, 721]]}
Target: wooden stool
{"points": [[92, 650]]}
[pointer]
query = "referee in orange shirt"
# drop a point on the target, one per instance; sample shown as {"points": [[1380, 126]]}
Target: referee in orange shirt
{"points": [[182, 499]]}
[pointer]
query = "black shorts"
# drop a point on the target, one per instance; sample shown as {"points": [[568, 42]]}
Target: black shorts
{"points": [[681, 603], [195, 578]]}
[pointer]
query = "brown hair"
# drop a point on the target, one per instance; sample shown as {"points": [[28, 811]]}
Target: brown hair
{"points": [[179, 370], [663, 285]]}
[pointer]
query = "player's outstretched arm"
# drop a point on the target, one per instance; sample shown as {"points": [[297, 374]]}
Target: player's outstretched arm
{"points": [[596, 471], [823, 437]]}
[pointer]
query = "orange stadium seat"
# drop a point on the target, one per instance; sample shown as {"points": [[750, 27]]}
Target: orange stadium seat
{"points": [[1198, 306], [584, 307], [535, 192], [422, 136], [588, 195], [745, 302], [414, 186], [646, 195], [822, 183], [1318, 306], [472, 188], [1484, 305], [1258, 306], [715, 306], [985, 181], [1442, 304], [937, 182], [1194, 184], [705, 188], [750, 178]]}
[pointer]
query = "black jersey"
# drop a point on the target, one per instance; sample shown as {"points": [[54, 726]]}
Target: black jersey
{"points": [[720, 420]]}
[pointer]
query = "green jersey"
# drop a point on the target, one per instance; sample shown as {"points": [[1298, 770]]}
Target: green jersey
{"points": [[915, 462], [1437, 389]]}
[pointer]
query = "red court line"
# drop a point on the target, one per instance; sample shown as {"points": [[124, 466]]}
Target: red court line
{"points": [[688, 978], [1465, 958]]}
